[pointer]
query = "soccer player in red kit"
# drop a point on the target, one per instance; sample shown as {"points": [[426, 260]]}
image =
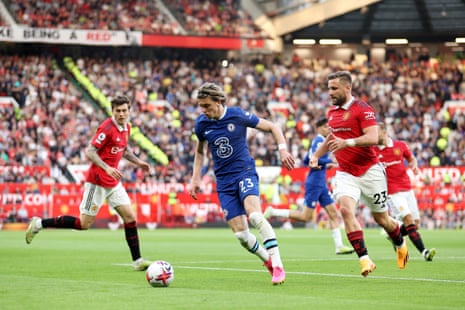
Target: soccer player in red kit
{"points": [[360, 176], [402, 201], [103, 182]]}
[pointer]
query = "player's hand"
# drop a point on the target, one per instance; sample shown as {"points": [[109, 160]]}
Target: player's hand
{"points": [[335, 144], [287, 159], [415, 170], [114, 173], [146, 167], [313, 163], [194, 189]]}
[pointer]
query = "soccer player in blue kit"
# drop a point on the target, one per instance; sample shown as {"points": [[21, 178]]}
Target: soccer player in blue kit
{"points": [[224, 129], [316, 191]]}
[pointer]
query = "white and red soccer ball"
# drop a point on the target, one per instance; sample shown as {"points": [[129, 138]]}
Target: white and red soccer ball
{"points": [[160, 274]]}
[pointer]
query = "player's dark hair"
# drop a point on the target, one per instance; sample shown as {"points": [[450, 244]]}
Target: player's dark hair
{"points": [[212, 90], [120, 100], [341, 75], [322, 121]]}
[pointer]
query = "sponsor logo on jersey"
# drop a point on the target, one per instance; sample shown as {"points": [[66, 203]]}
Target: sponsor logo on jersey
{"points": [[116, 149]]}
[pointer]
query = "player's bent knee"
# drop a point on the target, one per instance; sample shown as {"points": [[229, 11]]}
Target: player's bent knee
{"points": [[242, 235], [346, 212], [256, 218]]}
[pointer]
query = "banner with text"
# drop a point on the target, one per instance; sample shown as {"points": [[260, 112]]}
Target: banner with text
{"points": [[69, 36]]}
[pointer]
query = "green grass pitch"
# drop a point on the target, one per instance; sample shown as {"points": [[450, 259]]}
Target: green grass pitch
{"points": [[91, 270]]}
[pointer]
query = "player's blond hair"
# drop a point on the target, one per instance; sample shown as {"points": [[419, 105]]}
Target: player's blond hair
{"points": [[212, 90]]}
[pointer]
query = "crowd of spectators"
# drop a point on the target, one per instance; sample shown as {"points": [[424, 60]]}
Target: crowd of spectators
{"points": [[200, 17], [214, 18], [145, 16], [53, 121], [408, 96]]}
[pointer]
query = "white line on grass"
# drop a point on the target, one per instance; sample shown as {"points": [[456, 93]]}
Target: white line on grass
{"points": [[315, 274], [338, 258], [326, 274]]}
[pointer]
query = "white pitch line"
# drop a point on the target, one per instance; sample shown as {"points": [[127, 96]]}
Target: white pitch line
{"points": [[339, 258], [326, 274], [314, 274]]}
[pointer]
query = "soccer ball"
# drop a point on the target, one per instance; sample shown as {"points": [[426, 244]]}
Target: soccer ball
{"points": [[160, 274]]}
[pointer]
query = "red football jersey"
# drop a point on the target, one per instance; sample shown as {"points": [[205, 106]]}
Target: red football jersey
{"points": [[348, 122], [392, 157], [111, 141]]}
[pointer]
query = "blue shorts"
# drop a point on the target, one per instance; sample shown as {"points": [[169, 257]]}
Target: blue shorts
{"points": [[315, 195], [232, 199]]}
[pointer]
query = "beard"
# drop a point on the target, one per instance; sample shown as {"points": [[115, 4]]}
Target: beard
{"points": [[339, 101]]}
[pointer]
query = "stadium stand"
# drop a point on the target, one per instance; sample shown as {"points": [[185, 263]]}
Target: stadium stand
{"points": [[206, 18], [404, 94], [50, 126], [52, 122], [214, 18], [144, 16]]}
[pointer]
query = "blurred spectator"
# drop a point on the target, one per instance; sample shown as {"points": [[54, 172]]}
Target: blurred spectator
{"points": [[22, 215]]}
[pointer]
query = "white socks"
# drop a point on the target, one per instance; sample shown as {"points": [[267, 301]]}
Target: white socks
{"points": [[249, 241], [336, 232], [38, 224], [268, 236], [280, 212]]}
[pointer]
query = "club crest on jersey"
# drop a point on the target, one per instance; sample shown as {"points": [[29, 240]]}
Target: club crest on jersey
{"points": [[397, 152], [346, 115], [231, 127]]}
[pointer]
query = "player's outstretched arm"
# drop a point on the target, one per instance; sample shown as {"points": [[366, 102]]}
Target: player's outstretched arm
{"points": [[321, 150], [196, 173], [287, 159], [131, 157]]}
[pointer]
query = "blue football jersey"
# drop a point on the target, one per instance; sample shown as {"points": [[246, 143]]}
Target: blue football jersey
{"points": [[227, 140], [317, 177]]}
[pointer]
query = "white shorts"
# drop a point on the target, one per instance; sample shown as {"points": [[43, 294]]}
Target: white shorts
{"points": [[403, 204], [370, 188], [94, 197]]}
